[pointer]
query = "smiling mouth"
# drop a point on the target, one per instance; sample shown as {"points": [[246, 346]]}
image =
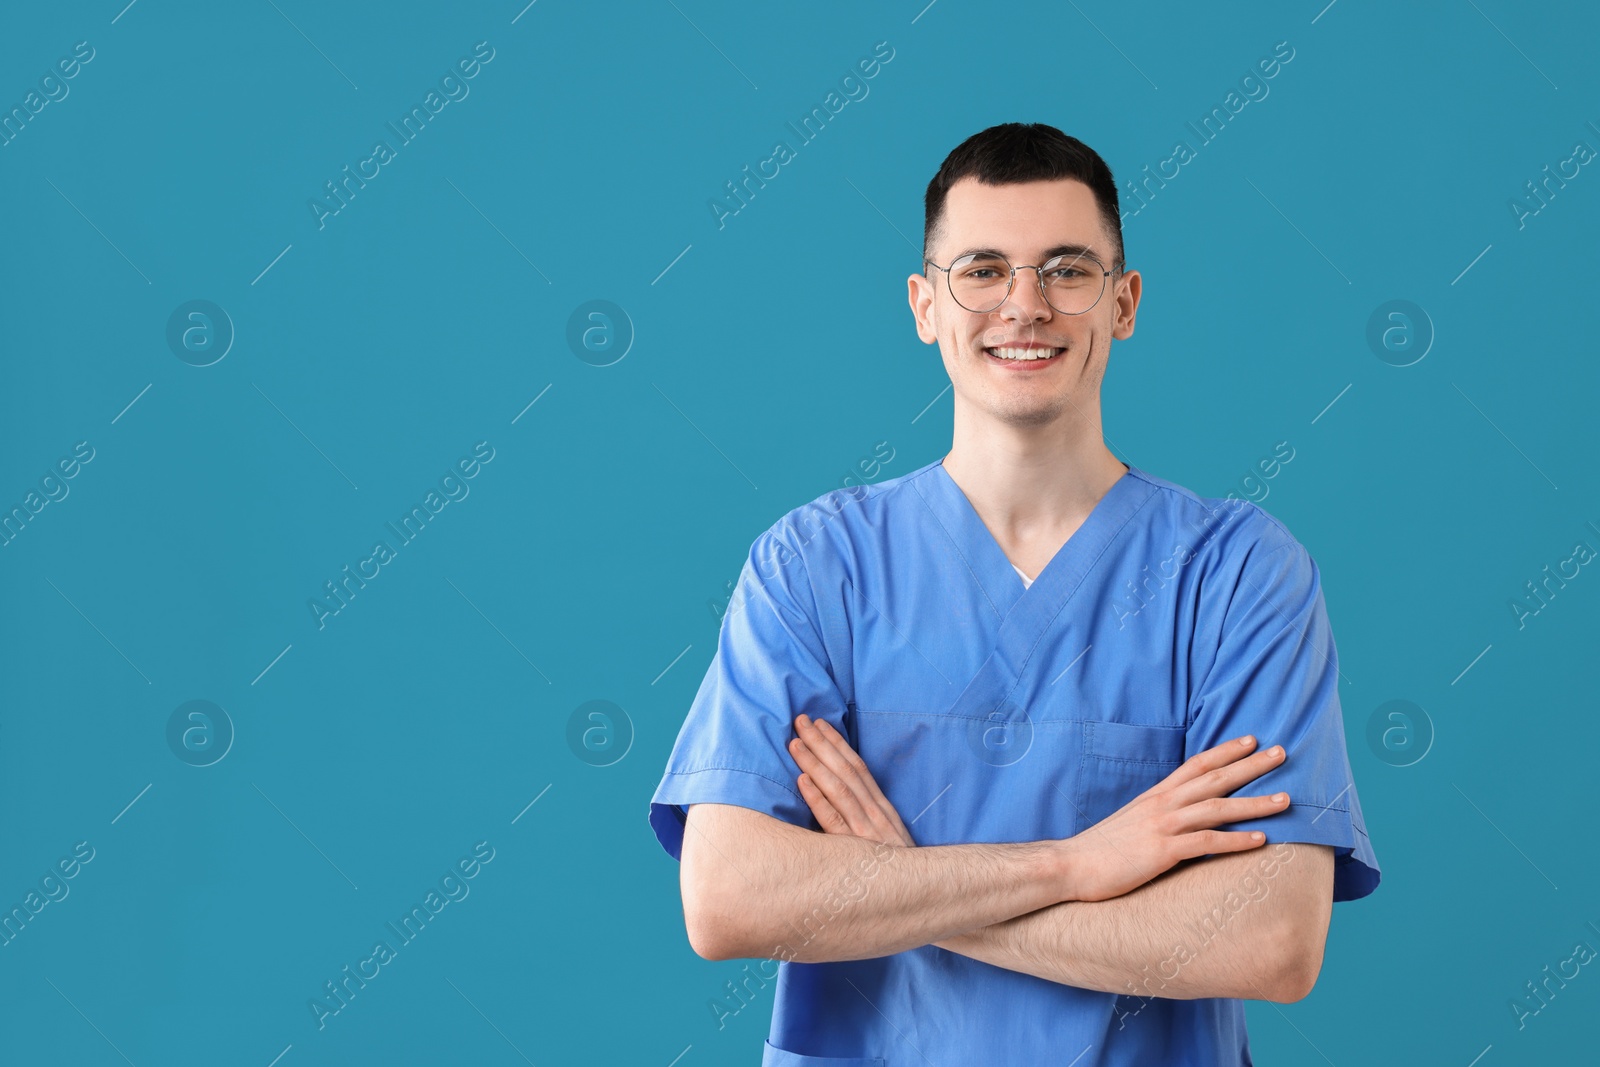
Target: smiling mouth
{"points": [[1023, 355]]}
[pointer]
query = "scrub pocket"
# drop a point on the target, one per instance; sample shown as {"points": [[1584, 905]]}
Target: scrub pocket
{"points": [[956, 779], [773, 1056], [1120, 761]]}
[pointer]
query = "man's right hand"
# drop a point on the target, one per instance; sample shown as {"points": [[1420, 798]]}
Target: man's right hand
{"points": [[1173, 821]]}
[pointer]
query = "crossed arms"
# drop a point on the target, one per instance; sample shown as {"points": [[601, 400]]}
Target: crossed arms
{"points": [[1150, 902]]}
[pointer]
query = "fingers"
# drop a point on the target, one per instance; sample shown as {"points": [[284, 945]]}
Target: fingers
{"points": [[838, 792], [1205, 814], [831, 749], [1212, 758], [1229, 775], [863, 776], [831, 764], [837, 756], [827, 815], [1210, 842], [842, 778]]}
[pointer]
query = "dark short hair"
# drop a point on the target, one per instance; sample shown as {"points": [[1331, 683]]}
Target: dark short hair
{"points": [[1016, 152]]}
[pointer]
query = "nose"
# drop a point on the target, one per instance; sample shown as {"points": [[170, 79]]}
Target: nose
{"points": [[1026, 300]]}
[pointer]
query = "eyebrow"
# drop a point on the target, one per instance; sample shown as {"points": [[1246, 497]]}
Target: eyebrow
{"points": [[1049, 253]]}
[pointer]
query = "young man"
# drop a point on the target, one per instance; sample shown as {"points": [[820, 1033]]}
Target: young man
{"points": [[1058, 668]]}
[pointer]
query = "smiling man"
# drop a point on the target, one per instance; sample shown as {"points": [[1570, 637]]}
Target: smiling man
{"points": [[1020, 691]]}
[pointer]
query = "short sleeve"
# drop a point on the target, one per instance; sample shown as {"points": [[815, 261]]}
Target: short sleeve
{"points": [[1276, 676], [770, 665]]}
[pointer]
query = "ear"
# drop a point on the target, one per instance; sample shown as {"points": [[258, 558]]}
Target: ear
{"points": [[920, 294], [1127, 305]]}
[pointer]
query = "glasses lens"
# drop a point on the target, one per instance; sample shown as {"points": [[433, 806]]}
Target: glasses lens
{"points": [[1072, 284], [979, 282]]}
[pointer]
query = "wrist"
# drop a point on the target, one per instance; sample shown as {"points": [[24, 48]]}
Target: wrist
{"points": [[1061, 868]]}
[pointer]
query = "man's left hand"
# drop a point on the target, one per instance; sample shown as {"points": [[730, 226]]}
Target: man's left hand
{"points": [[842, 793]]}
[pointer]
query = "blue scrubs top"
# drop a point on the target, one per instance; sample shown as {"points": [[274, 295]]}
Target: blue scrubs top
{"points": [[991, 712]]}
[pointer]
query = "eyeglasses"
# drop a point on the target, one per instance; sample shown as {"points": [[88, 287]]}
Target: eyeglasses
{"points": [[981, 281]]}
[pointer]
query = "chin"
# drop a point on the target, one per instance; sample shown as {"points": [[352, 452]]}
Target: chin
{"points": [[1041, 414]]}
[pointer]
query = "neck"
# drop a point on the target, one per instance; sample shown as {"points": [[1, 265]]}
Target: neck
{"points": [[1031, 480]]}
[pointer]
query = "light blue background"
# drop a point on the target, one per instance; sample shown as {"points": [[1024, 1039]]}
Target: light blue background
{"points": [[589, 558]]}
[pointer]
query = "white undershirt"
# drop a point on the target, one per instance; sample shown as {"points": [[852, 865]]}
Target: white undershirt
{"points": [[1026, 581]]}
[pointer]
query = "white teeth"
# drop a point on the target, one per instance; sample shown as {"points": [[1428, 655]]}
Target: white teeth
{"points": [[1023, 353]]}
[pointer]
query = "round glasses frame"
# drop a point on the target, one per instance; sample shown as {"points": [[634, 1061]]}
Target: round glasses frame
{"points": [[1011, 281]]}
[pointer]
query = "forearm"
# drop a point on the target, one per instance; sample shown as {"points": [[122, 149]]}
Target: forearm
{"points": [[1206, 929], [764, 888]]}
